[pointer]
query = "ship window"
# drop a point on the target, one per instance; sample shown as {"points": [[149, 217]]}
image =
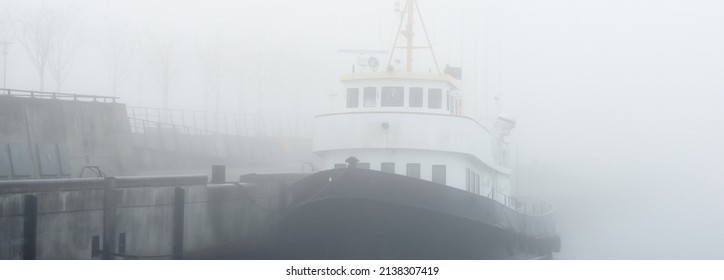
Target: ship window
{"points": [[393, 96], [370, 97], [438, 174], [434, 98], [455, 106], [339, 165], [467, 179], [447, 103], [413, 170], [363, 165], [352, 97], [416, 97], [388, 167], [472, 181]]}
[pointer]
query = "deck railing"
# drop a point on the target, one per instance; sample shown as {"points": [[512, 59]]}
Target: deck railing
{"points": [[57, 95], [529, 206], [540, 215]]}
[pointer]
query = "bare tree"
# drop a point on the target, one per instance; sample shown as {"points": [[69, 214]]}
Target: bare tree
{"points": [[46, 33], [34, 29], [259, 65], [65, 42], [117, 53], [4, 20], [214, 56], [241, 72], [4, 42], [161, 56]]}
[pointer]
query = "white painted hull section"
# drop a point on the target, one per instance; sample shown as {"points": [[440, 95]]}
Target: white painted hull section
{"points": [[459, 143], [432, 132]]}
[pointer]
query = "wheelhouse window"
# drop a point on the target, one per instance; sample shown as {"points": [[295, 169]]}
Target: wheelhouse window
{"points": [[434, 98], [416, 97], [454, 105], [339, 165], [370, 97], [438, 174], [468, 175], [388, 167], [352, 97], [363, 165], [413, 170], [393, 96]]}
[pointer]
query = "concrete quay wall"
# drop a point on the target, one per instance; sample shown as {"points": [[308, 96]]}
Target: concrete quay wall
{"points": [[135, 217], [50, 138]]}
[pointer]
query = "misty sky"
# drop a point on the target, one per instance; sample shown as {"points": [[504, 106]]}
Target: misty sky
{"points": [[618, 103]]}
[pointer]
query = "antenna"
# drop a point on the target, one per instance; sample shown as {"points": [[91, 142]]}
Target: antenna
{"points": [[409, 13]]}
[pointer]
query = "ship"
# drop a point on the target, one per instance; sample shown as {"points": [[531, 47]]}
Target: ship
{"points": [[408, 176]]}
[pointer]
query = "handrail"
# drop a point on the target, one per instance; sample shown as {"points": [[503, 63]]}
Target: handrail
{"points": [[224, 122], [139, 126], [538, 207], [57, 95], [523, 204]]}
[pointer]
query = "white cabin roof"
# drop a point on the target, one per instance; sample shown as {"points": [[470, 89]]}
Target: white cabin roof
{"points": [[362, 76]]}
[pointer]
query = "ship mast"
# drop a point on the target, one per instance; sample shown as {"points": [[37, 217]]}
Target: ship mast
{"points": [[409, 12], [410, 33]]}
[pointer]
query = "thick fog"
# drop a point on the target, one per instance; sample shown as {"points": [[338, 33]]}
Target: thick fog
{"points": [[620, 122], [618, 103]]}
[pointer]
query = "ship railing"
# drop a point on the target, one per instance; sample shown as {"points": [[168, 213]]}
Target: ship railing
{"points": [[57, 95], [226, 123], [523, 204], [539, 215], [529, 206]]}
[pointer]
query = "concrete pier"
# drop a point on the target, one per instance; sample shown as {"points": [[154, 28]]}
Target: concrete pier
{"points": [[47, 140], [161, 217]]}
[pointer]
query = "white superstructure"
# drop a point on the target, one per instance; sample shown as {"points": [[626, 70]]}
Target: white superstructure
{"points": [[411, 123]]}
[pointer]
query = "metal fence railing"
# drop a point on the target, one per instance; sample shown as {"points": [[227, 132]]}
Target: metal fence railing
{"points": [[141, 126], [176, 138], [57, 95], [226, 123]]}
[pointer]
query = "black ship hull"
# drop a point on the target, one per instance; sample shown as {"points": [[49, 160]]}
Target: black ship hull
{"points": [[366, 214]]}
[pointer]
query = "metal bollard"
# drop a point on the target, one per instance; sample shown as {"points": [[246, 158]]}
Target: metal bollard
{"points": [[218, 174]]}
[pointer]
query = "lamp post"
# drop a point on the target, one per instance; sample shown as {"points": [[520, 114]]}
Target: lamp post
{"points": [[4, 45]]}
